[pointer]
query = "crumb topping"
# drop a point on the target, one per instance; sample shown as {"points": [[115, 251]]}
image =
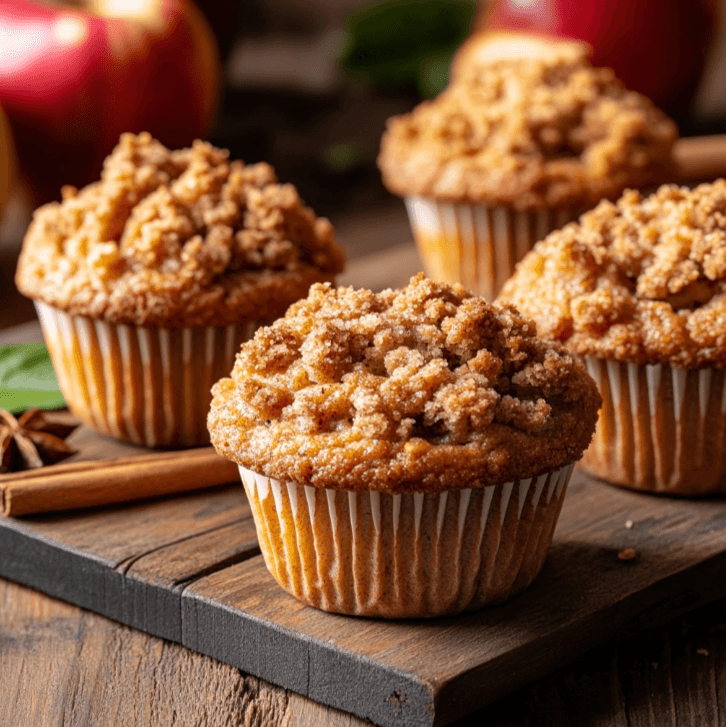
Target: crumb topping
{"points": [[643, 280], [535, 128], [169, 238], [423, 388]]}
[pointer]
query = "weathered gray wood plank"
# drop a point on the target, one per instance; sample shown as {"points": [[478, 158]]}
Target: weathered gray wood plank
{"points": [[129, 562], [154, 582], [245, 619]]}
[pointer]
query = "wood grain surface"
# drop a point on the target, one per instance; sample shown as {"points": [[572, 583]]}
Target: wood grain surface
{"points": [[65, 666]]}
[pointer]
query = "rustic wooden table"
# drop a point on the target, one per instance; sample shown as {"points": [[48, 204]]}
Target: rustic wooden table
{"points": [[63, 665]]}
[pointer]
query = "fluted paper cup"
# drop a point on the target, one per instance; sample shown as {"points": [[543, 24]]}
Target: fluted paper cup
{"points": [[150, 386], [661, 428], [475, 244], [406, 555]]}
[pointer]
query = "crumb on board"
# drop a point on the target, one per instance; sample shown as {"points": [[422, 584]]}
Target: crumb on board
{"points": [[627, 554], [628, 524]]}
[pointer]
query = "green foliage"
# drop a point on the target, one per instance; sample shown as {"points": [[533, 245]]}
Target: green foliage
{"points": [[398, 43], [342, 157], [27, 379]]}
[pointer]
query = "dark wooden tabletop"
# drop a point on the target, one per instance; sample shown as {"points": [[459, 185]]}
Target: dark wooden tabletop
{"points": [[63, 665]]}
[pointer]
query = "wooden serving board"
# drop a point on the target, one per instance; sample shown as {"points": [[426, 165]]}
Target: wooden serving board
{"points": [[188, 569]]}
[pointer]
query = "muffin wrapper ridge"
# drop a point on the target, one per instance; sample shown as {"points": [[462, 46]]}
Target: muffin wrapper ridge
{"points": [[406, 555], [150, 386], [476, 245], [661, 428]]}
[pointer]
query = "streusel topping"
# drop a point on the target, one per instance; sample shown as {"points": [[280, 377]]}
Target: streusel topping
{"points": [[169, 238], [535, 128], [423, 388], [643, 280]]}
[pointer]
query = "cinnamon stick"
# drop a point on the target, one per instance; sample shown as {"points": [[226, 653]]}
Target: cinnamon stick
{"points": [[700, 158], [103, 482]]}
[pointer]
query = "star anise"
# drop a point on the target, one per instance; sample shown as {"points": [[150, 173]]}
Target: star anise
{"points": [[32, 440]]}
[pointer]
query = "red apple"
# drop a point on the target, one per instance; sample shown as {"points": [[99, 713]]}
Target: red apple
{"points": [[657, 47], [75, 75]]}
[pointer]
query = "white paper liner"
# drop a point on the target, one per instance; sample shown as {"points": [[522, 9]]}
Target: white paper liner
{"points": [[661, 428], [145, 385], [476, 245], [405, 555]]}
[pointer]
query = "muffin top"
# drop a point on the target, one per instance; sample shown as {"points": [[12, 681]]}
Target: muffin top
{"points": [[529, 123], [420, 389], [643, 280], [176, 238]]}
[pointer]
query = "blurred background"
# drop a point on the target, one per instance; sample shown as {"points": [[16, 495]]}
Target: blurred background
{"points": [[307, 85]]}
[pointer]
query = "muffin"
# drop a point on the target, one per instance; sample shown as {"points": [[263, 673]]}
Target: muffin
{"points": [[527, 136], [638, 289], [147, 281], [405, 453]]}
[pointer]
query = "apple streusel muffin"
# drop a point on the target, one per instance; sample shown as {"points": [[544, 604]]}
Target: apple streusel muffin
{"points": [[147, 281], [406, 453]]}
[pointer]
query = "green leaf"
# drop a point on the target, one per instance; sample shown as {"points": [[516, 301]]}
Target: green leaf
{"points": [[27, 379], [393, 42], [342, 157]]}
